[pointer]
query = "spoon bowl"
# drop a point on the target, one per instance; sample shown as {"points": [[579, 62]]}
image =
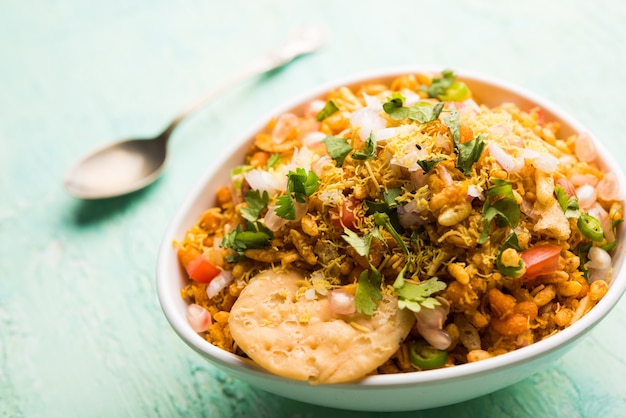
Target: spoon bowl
{"points": [[118, 169], [130, 165]]}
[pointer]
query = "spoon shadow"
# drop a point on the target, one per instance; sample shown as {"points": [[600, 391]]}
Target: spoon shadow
{"points": [[89, 212]]}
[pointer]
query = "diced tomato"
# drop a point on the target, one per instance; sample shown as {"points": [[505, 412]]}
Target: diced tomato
{"points": [[540, 260], [344, 215], [201, 269]]}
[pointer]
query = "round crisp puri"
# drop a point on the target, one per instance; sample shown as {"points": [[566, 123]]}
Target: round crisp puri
{"points": [[300, 338]]}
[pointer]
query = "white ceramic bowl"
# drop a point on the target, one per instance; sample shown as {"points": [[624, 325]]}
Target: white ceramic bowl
{"points": [[410, 391]]}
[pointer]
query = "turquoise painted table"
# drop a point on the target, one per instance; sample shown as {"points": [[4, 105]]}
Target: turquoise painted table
{"points": [[81, 330]]}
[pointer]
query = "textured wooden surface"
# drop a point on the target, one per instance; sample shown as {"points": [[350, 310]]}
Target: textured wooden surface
{"points": [[81, 330]]}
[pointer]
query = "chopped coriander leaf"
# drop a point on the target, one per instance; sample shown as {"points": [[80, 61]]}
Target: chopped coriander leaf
{"points": [[469, 153], [360, 244], [369, 152], [329, 108], [285, 208], [414, 296], [391, 195], [382, 219], [388, 203], [272, 161], [338, 148], [255, 236], [300, 184], [500, 205], [425, 112], [453, 123], [510, 242], [256, 203], [368, 291], [569, 204], [428, 165], [422, 112], [394, 107]]}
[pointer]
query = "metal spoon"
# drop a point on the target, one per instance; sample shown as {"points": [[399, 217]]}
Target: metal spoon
{"points": [[130, 165]]}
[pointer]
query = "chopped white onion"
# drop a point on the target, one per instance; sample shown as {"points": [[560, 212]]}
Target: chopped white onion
{"points": [[372, 102], [218, 283], [410, 97], [285, 124], [262, 181], [313, 138], [584, 148], [586, 196], [411, 214], [385, 133], [272, 221], [309, 294], [541, 160], [367, 120], [608, 187], [341, 302], [321, 163], [199, 318], [598, 259], [443, 142], [506, 161], [313, 108], [473, 192]]}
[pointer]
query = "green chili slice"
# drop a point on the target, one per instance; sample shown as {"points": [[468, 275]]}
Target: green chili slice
{"points": [[425, 356], [590, 227]]}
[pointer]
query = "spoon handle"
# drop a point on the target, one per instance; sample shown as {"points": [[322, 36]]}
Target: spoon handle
{"points": [[306, 40]]}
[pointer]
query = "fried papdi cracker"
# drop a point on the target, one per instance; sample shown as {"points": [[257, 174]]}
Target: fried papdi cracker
{"points": [[302, 339]]}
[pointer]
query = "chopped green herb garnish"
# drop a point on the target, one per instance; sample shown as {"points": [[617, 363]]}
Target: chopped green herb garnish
{"points": [[368, 291], [300, 185], [414, 296], [454, 124], [369, 152], [338, 148], [388, 203], [360, 244], [447, 87], [256, 203], [272, 161], [255, 236], [329, 108], [510, 242], [500, 205], [569, 204], [422, 112], [428, 165], [469, 153]]}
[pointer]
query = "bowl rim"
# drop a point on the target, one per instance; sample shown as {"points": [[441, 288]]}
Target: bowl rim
{"points": [[168, 297]]}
